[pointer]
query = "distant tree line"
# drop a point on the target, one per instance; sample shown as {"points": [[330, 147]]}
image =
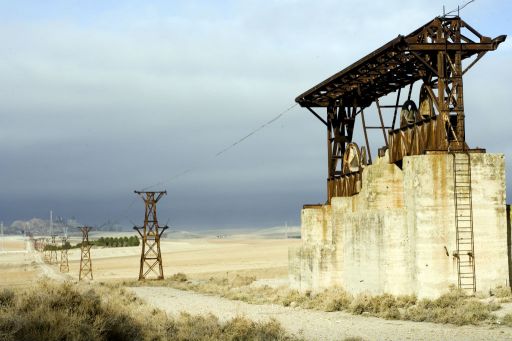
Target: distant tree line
{"points": [[102, 241], [117, 241], [50, 247]]}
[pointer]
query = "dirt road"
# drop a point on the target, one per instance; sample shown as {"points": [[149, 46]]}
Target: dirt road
{"points": [[316, 325]]}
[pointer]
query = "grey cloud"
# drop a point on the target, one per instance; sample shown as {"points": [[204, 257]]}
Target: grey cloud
{"points": [[91, 111]]}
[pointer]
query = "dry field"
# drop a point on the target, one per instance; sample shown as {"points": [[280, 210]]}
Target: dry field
{"points": [[18, 267], [198, 258]]}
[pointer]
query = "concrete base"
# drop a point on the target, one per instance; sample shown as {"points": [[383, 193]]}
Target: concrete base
{"points": [[397, 235]]}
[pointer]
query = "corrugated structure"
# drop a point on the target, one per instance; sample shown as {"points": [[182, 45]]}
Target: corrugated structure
{"points": [[430, 211]]}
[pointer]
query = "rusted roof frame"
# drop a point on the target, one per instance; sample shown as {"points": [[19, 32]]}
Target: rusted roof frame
{"points": [[372, 77]]}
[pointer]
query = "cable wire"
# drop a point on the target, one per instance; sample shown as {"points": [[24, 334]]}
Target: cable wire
{"points": [[216, 155], [224, 150], [458, 9]]}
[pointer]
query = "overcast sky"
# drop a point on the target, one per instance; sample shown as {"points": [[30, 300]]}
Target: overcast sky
{"points": [[99, 98]]}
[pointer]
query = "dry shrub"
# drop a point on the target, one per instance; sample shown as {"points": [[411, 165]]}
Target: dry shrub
{"points": [[178, 277], [240, 281], [333, 299], [6, 297], [68, 311], [61, 312], [453, 307], [188, 327], [502, 292], [241, 328], [507, 320]]}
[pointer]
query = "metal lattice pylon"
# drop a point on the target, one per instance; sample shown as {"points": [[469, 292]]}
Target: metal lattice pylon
{"points": [[64, 265], [151, 257], [53, 251], [46, 250], [85, 258]]}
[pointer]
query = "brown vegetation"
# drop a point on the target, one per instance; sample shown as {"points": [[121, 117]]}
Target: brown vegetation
{"points": [[68, 311], [453, 307]]}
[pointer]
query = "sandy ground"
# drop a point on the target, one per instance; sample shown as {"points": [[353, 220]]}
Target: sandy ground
{"points": [[315, 325]]}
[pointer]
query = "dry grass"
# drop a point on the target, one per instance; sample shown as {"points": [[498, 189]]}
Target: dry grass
{"points": [[68, 311], [453, 307], [507, 320], [503, 294]]}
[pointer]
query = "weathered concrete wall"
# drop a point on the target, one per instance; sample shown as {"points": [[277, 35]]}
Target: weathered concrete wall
{"points": [[398, 234]]}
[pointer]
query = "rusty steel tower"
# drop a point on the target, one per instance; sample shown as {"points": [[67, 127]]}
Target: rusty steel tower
{"points": [[151, 257], [64, 265], [85, 257]]}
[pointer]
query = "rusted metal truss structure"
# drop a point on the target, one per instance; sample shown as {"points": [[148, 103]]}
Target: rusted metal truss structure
{"points": [[151, 256], [85, 255], [64, 265], [432, 54]]}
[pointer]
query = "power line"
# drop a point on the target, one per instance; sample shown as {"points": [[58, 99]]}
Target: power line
{"points": [[264, 125], [216, 155], [458, 9], [224, 150]]}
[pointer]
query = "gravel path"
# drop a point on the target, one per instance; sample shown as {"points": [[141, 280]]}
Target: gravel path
{"points": [[315, 325]]}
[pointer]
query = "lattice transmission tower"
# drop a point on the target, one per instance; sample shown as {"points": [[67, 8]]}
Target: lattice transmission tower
{"points": [[85, 257], [151, 257], [53, 251], [64, 265], [46, 250]]}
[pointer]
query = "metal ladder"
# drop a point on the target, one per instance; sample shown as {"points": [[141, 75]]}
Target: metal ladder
{"points": [[464, 222]]}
